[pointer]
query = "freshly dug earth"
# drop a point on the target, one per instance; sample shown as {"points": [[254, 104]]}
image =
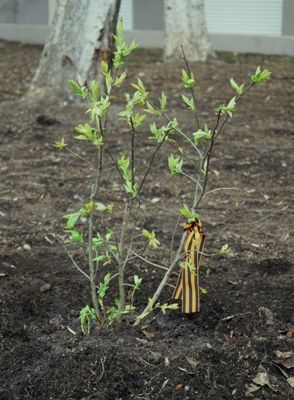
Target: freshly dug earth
{"points": [[246, 315]]}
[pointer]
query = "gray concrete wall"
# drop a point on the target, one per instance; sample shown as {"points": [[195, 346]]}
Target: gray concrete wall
{"points": [[27, 21], [8, 10], [288, 18], [283, 45], [26, 12], [148, 15]]}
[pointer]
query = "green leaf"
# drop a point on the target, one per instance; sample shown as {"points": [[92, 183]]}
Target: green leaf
{"points": [[225, 249], [113, 312], [165, 307], [203, 290], [189, 102], [95, 88], [72, 219], [104, 208], [98, 141], [88, 207], [132, 190], [104, 67], [238, 88], [103, 258], [81, 137], [188, 214], [98, 109], [118, 60], [119, 26], [138, 119], [175, 164], [123, 164], [151, 110], [120, 79], [86, 132], [260, 76], [77, 88], [159, 134], [137, 282], [198, 136], [60, 144], [152, 241], [162, 101], [229, 108], [172, 126], [202, 134], [188, 80], [132, 46], [98, 240], [87, 315], [104, 286], [77, 236], [207, 272]]}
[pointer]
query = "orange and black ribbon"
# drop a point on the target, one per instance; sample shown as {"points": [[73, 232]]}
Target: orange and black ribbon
{"points": [[187, 288]]}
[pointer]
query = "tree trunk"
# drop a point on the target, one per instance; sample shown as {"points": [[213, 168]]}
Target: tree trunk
{"points": [[80, 36], [185, 25]]}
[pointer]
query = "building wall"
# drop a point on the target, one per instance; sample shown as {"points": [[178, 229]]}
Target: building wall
{"points": [[148, 15], [8, 11], [288, 18], [245, 17], [257, 26], [32, 12]]}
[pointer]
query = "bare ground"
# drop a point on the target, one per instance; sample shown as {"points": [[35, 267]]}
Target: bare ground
{"points": [[247, 314]]}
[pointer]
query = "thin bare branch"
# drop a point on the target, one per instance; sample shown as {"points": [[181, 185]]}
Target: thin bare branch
{"points": [[151, 162], [192, 179], [218, 189], [173, 238], [83, 159], [149, 262], [75, 264]]}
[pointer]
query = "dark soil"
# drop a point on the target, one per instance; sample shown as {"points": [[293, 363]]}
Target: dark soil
{"points": [[247, 314]]}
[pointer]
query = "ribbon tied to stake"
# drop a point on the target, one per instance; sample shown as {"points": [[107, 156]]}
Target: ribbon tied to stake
{"points": [[187, 288]]}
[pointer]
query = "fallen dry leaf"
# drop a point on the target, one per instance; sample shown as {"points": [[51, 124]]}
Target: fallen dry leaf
{"points": [[143, 341], [286, 362], [149, 335], [230, 340], [284, 373], [283, 354], [261, 379], [184, 370], [228, 318], [291, 381], [192, 362], [290, 335], [45, 287], [251, 388], [268, 315], [290, 332]]}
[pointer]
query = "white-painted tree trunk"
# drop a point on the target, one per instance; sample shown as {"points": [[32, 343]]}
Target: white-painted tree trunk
{"points": [[185, 25], [80, 36]]}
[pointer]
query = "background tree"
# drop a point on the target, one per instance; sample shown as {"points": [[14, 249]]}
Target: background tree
{"points": [[81, 34], [185, 25]]}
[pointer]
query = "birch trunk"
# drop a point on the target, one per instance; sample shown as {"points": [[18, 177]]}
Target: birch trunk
{"points": [[185, 25], [80, 36]]}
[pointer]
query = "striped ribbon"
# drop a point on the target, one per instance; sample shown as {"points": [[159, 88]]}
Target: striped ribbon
{"points": [[187, 288]]}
